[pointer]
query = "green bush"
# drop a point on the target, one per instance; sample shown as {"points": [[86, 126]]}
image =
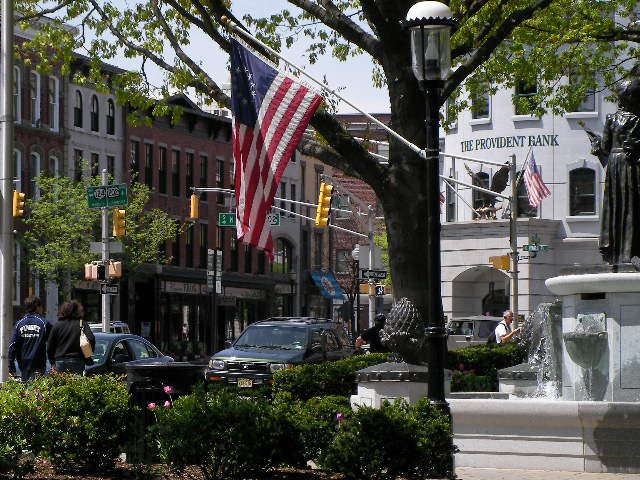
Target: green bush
{"points": [[321, 379], [396, 440], [83, 421], [468, 381], [18, 425], [224, 435], [483, 358]]}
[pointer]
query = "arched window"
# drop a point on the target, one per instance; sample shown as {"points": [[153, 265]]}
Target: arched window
{"points": [[480, 179], [55, 169], [95, 114], [282, 256], [17, 94], [582, 192], [77, 110], [111, 117], [524, 207]]}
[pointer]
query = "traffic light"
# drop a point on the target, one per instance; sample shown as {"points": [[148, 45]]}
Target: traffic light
{"points": [[119, 222], [195, 206], [324, 205], [501, 262], [18, 203]]}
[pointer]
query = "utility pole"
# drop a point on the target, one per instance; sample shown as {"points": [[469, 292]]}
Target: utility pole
{"points": [[513, 240], [6, 187], [372, 282], [106, 299]]}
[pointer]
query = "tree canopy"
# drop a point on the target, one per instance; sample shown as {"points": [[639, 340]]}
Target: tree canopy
{"points": [[495, 44]]}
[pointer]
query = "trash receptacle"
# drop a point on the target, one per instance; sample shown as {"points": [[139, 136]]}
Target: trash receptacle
{"points": [[146, 385]]}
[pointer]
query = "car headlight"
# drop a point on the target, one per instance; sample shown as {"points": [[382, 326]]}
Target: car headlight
{"points": [[274, 367], [216, 364]]}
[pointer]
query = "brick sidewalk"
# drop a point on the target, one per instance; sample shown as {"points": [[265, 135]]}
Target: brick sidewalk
{"points": [[469, 473]]}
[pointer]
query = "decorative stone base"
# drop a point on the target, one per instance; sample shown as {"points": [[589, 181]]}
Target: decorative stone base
{"points": [[519, 380]]}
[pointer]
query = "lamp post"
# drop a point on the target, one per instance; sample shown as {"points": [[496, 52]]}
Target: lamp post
{"points": [[355, 254], [429, 23]]}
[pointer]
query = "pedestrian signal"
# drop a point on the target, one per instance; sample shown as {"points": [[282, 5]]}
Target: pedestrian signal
{"points": [[18, 203], [324, 205], [501, 262], [379, 290], [194, 211], [119, 222]]}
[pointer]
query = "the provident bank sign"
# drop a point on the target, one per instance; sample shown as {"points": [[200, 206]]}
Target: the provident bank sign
{"points": [[487, 143]]}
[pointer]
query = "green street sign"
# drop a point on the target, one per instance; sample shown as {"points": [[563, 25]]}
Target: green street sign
{"points": [[227, 219], [107, 196]]}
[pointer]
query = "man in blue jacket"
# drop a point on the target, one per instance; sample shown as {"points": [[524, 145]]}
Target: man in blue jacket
{"points": [[29, 341]]}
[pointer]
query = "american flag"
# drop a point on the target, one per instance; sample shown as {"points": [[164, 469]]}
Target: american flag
{"points": [[270, 113], [536, 189]]}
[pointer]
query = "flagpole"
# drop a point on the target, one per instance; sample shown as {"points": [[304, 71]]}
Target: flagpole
{"points": [[231, 25]]}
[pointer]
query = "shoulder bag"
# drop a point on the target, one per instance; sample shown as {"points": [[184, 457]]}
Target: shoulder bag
{"points": [[85, 345]]}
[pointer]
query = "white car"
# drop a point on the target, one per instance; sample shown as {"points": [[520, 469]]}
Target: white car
{"points": [[472, 330], [116, 327]]}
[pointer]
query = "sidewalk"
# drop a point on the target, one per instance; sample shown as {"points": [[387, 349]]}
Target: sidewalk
{"points": [[471, 473]]}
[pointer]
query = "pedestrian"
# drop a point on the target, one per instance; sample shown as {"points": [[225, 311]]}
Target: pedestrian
{"points": [[503, 331], [63, 347], [371, 336], [29, 341]]}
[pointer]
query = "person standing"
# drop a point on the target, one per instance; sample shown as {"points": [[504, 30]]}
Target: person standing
{"points": [[29, 341], [503, 331], [63, 346]]}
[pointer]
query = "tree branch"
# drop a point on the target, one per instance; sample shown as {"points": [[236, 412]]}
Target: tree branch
{"points": [[44, 12], [204, 23]]}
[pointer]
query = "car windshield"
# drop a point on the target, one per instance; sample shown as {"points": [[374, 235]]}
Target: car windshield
{"points": [[273, 336], [100, 351], [461, 327]]}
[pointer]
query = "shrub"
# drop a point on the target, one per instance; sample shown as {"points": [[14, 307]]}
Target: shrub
{"points": [[484, 358], [395, 440], [18, 424], [83, 420], [224, 435], [320, 379]]}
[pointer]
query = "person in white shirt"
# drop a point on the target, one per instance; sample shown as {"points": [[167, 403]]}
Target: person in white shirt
{"points": [[504, 333]]}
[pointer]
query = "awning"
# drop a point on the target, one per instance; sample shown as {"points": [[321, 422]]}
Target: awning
{"points": [[328, 285]]}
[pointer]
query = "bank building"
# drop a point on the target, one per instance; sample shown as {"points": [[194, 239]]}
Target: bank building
{"points": [[568, 220]]}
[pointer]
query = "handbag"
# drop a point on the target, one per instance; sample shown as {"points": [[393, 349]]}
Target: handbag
{"points": [[85, 345]]}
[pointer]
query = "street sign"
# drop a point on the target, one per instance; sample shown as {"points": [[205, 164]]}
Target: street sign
{"points": [[214, 270], [227, 219], [109, 289], [107, 196], [114, 247], [273, 219], [375, 274], [379, 290], [536, 247]]}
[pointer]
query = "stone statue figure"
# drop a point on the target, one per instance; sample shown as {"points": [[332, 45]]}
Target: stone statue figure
{"points": [[619, 150]]}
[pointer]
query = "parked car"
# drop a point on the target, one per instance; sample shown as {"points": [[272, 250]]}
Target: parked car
{"points": [[114, 351], [116, 327], [473, 330], [274, 344]]}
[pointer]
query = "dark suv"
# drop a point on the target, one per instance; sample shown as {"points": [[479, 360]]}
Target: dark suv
{"points": [[277, 343]]}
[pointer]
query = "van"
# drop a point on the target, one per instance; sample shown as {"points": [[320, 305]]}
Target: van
{"points": [[472, 330], [116, 327]]}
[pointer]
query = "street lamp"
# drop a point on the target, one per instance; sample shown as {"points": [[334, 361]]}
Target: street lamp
{"points": [[355, 254], [430, 23]]}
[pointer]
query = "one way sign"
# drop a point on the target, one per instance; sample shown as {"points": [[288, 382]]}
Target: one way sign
{"points": [[375, 274]]}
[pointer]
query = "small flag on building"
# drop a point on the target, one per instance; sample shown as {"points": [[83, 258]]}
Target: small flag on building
{"points": [[536, 189], [270, 113]]}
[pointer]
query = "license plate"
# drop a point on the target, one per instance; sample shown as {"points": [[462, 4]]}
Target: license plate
{"points": [[245, 383]]}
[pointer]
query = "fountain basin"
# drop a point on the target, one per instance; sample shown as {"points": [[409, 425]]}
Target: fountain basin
{"points": [[585, 348]]}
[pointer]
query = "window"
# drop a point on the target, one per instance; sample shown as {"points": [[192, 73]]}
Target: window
{"points": [[162, 171], [282, 256], [17, 94], [343, 261], [54, 95], [248, 258], [148, 164], [111, 165], [524, 207], [189, 174], [450, 198], [35, 168], [524, 97], [17, 162], [134, 158], [189, 247], [203, 175], [176, 250], [55, 169], [34, 91], [220, 180], [262, 260], [77, 165], [95, 164], [77, 110], [283, 194], [175, 173], [292, 206], [317, 251], [204, 236], [95, 114], [111, 117], [480, 179], [588, 103], [582, 188], [481, 102], [234, 252]]}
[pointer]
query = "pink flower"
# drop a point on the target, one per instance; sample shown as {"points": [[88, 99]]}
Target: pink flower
{"points": [[167, 404], [152, 406], [340, 416], [168, 389]]}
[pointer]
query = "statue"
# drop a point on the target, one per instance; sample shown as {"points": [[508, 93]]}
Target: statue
{"points": [[498, 183], [618, 148]]}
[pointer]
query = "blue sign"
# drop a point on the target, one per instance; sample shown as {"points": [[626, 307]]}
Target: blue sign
{"points": [[328, 285]]}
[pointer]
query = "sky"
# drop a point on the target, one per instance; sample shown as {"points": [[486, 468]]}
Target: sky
{"points": [[354, 75]]}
